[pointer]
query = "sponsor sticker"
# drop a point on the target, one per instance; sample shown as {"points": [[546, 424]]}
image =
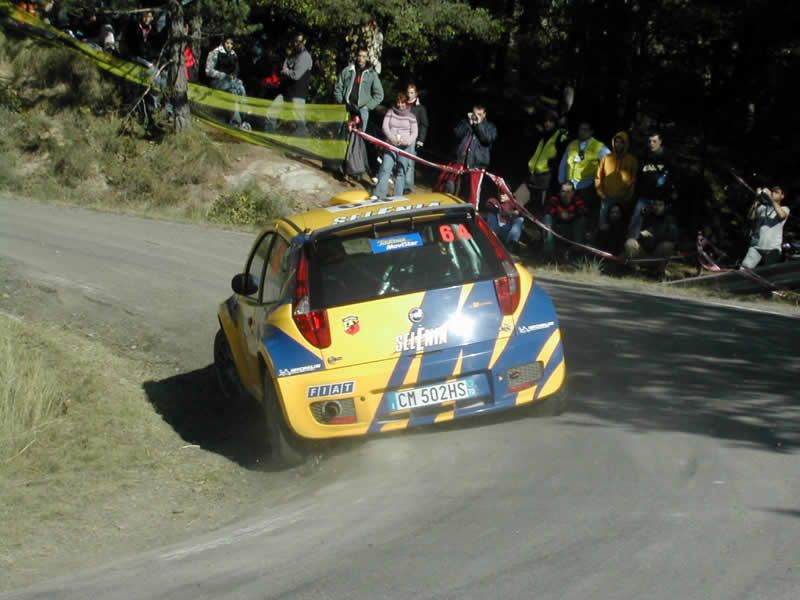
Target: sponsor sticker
{"points": [[396, 242], [299, 370], [523, 329], [331, 389], [351, 325], [376, 210], [421, 338]]}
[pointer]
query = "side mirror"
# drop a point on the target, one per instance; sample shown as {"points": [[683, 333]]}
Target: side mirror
{"points": [[243, 284]]}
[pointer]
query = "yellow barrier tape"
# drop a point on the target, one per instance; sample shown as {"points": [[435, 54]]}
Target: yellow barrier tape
{"points": [[320, 118]]}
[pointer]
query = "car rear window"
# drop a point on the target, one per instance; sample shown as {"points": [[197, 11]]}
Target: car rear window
{"points": [[382, 262]]}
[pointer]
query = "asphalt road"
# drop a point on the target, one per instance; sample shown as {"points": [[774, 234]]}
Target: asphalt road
{"points": [[674, 475]]}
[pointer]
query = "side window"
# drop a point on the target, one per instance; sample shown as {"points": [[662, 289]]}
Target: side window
{"points": [[277, 271], [255, 269]]}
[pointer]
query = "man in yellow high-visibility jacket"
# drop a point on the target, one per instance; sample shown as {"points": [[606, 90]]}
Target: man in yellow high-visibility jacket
{"points": [[579, 165], [543, 165]]}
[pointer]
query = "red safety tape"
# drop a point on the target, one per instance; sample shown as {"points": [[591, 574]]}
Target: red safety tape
{"points": [[708, 263], [479, 174]]}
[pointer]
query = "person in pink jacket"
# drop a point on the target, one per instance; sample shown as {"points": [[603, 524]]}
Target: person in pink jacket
{"points": [[400, 130]]}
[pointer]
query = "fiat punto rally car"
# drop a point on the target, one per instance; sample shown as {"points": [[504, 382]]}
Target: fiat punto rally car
{"points": [[374, 316]]}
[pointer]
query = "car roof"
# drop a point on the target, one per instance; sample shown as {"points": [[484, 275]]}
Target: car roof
{"points": [[343, 211]]}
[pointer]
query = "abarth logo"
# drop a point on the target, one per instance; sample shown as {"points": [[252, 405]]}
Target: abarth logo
{"points": [[351, 325], [415, 315]]}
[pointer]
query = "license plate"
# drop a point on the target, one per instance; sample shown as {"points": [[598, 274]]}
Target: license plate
{"points": [[439, 393]]}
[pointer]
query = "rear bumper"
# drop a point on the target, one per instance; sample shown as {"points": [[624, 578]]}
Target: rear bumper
{"points": [[367, 385]]}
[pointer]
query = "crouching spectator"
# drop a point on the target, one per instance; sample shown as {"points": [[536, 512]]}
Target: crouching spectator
{"points": [[400, 129], [222, 70], [656, 238], [504, 219], [566, 215]]}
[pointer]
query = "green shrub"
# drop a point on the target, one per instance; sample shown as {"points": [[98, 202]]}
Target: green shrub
{"points": [[247, 205], [57, 78]]}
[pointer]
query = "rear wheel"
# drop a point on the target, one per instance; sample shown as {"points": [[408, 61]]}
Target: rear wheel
{"points": [[227, 376], [552, 406], [287, 447]]}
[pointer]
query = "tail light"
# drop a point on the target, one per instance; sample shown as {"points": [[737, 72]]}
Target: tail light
{"points": [[313, 324], [508, 287]]}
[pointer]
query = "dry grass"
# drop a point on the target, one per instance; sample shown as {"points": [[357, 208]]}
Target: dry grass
{"points": [[31, 397], [86, 463], [65, 139]]}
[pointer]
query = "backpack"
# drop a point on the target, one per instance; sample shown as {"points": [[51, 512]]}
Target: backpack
{"points": [[356, 161]]}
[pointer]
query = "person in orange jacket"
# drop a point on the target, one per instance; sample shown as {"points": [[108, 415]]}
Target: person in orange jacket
{"points": [[616, 177]]}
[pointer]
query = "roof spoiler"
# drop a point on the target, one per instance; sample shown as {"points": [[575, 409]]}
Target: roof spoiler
{"points": [[466, 209]]}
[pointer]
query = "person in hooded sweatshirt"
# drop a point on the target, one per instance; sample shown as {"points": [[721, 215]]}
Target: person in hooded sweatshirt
{"points": [[400, 129], [616, 178]]}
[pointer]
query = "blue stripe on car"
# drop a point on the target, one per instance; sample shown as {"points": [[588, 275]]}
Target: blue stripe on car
{"points": [[288, 355]]}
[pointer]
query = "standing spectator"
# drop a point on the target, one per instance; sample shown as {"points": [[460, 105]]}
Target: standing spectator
{"points": [[142, 44], [768, 218], [190, 60], [475, 134], [656, 238], [422, 124], [616, 177], [400, 129], [566, 215], [142, 41], [656, 179], [580, 162], [543, 165], [222, 69], [505, 220], [359, 88], [295, 77]]}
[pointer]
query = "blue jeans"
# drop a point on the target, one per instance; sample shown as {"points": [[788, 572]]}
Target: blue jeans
{"points": [[234, 86], [387, 166], [507, 232], [410, 171], [298, 114]]}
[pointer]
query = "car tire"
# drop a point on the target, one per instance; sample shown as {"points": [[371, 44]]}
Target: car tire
{"points": [[225, 367], [288, 449], [552, 406]]}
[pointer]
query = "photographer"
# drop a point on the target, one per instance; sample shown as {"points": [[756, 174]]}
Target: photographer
{"points": [[476, 136], [768, 218]]}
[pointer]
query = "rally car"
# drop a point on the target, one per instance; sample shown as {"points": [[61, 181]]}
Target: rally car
{"points": [[378, 315]]}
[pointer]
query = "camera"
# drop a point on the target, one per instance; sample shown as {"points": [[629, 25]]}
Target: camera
{"points": [[763, 196], [473, 118]]}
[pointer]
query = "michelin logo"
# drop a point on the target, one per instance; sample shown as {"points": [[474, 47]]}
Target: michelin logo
{"points": [[331, 389], [523, 329], [298, 370]]}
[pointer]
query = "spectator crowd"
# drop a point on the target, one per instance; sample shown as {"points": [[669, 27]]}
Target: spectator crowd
{"points": [[615, 197]]}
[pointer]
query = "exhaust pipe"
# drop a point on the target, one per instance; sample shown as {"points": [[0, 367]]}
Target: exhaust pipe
{"points": [[331, 410]]}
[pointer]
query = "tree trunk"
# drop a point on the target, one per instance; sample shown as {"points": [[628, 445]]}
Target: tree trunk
{"points": [[177, 84]]}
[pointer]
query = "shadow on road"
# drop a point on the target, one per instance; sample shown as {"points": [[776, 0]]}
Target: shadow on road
{"points": [[194, 406], [663, 364]]}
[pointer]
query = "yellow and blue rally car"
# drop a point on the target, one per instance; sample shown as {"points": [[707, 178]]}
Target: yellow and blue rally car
{"points": [[377, 315]]}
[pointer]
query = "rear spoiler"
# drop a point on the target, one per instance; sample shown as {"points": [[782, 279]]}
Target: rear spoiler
{"points": [[389, 218]]}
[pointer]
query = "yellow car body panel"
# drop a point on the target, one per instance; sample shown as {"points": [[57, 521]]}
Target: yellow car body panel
{"points": [[377, 351]]}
